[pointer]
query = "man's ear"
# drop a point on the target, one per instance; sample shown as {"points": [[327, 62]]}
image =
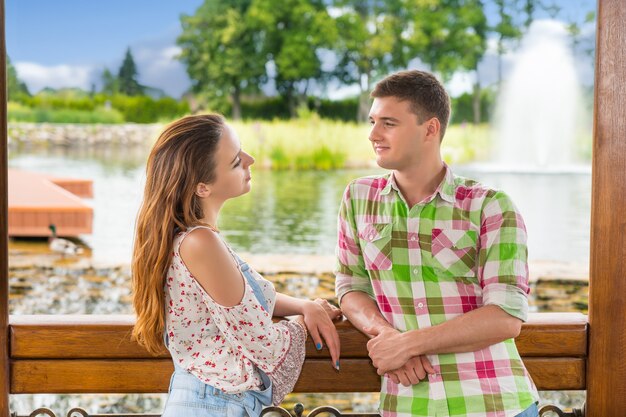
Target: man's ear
{"points": [[203, 190], [433, 128]]}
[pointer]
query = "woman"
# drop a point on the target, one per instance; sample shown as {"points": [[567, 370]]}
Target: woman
{"points": [[193, 294]]}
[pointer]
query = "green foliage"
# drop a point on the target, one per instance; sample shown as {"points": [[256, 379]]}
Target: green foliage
{"points": [[144, 109], [76, 106], [279, 159], [222, 52], [293, 31], [449, 35], [127, 77], [463, 111], [20, 113], [16, 88], [110, 83]]}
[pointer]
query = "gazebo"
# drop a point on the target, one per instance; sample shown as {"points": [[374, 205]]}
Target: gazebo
{"points": [[586, 352]]}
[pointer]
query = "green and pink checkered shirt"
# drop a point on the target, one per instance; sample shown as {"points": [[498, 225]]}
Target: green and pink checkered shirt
{"points": [[462, 248]]}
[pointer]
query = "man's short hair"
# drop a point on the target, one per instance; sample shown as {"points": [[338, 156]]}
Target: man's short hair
{"points": [[424, 92]]}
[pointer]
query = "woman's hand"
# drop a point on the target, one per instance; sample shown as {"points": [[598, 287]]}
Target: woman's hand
{"points": [[333, 312], [318, 317]]}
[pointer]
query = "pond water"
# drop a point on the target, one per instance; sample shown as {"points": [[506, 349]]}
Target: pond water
{"points": [[295, 212]]}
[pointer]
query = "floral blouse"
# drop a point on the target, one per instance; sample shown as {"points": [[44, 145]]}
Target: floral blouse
{"points": [[226, 346]]}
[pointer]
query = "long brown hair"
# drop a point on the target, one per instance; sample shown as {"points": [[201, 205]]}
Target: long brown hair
{"points": [[182, 157]]}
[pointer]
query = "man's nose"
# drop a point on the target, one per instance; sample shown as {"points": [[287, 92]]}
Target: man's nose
{"points": [[374, 136]]}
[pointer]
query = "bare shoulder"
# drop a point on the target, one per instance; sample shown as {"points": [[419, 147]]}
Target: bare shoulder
{"points": [[212, 266], [198, 243]]}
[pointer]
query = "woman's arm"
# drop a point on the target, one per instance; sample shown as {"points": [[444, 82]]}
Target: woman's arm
{"points": [[318, 316]]}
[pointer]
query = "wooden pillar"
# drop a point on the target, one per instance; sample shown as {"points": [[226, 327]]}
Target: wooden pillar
{"points": [[4, 254], [606, 368]]}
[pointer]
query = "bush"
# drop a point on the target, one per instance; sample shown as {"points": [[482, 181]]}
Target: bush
{"points": [[144, 109], [463, 107], [20, 113]]}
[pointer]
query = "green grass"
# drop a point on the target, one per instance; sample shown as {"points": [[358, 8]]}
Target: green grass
{"points": [[314, 143], [19, 113]]}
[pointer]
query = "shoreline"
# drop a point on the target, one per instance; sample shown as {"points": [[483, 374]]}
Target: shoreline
{"points": [[274, 264]]}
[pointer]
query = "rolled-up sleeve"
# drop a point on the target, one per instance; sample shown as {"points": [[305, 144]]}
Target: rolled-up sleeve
{"points": [[350, 272], [503, 259]]}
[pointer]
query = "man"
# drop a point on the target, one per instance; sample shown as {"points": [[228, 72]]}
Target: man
{"points": [[432, 267]]}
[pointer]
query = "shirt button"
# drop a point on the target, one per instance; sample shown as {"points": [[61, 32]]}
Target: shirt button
{"points": [[413, 238], [420, 305], [415, 271], [371, 237]]}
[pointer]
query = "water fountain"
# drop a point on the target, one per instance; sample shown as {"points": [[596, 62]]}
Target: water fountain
{"points": [[539, 112]]}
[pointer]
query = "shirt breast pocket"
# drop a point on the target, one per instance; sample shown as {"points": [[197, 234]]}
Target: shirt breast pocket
{"points": [[375, 242], [454, 251]]}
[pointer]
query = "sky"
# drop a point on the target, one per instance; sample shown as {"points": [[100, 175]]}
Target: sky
{"points": [[68, 43]]}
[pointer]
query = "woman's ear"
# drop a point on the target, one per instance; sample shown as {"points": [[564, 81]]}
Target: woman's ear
{"points": [[203, 190]]}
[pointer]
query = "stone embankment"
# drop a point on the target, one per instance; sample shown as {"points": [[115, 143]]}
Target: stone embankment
{"points": [[44, 134]]}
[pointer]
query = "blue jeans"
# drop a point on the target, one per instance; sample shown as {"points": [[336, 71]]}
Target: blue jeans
{"points": [[190, 397], [531, 411]]}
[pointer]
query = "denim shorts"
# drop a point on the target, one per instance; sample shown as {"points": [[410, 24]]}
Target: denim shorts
{"points": [[190, 397], [531, 411]]}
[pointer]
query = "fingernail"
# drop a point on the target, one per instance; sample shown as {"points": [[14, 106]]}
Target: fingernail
{"points": [[318, 346], [337, 365]]}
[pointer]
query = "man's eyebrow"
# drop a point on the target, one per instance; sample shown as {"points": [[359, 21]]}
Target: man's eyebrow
{"points": [[386, 119], [236, 156]]}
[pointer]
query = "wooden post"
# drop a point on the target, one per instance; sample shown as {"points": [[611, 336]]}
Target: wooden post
{"points": [[606, 370], [4, 254]]}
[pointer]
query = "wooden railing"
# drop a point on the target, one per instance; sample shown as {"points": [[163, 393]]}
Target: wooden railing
{"points": [[94, 354]]}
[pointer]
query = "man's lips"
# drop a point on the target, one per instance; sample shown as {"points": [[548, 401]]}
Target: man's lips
{"points": [[380, 149]]}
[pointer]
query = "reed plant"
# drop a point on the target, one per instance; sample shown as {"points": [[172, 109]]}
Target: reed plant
{"points": [[321, 144]]}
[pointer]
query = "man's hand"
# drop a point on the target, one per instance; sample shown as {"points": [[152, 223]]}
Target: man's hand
{"points": [[412, 372], [385, 349]]}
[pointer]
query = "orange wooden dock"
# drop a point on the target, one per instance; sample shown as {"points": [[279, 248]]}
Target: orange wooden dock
{"points": [[37, 200]]}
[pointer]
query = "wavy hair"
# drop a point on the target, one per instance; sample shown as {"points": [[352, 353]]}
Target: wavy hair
{"points": [[182, 157]]}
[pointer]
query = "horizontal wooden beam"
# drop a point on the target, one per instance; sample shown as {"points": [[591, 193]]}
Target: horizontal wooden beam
{"points": [[95, 354], [152, 375], [108, 337]]}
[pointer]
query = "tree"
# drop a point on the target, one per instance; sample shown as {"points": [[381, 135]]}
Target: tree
{"points": [[451, 35], [294, 31], [369, 37], [15, 87], [110, 84], [127, 77], [223, 53]]}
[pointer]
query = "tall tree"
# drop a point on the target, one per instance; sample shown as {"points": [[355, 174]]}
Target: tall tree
{"points": [[369, 45], [451, 36], [294, 31], [222, 52], [127, 76], [15, 87]]}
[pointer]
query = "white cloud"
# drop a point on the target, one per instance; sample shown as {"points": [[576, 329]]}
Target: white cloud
{"points": [[158, 67], [37, 76]]}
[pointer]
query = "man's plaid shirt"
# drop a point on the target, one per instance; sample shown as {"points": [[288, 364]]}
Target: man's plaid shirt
{"points": [[462, 248]]}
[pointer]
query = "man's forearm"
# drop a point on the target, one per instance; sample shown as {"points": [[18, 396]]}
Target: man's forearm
{"points": [[468, 332], [362, 312]]}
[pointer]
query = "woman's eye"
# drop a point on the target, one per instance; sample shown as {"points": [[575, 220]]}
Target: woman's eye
{"points": [[237, 163]]}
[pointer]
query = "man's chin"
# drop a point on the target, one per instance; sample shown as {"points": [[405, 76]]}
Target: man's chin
{"points": [[384, 163]]}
